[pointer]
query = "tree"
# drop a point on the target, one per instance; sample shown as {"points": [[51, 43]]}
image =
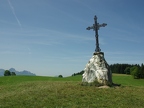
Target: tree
{"points": [[60, 76], [74, 74], [135, 72], [142, 71], [119, 68], [7, 73], [127, 70], [13, 74]]}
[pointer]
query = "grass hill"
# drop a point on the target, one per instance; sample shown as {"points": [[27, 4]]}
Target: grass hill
{"points": [[53, 92]]}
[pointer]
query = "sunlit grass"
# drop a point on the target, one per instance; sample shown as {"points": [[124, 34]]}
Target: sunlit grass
{"points": [[51, 92]]}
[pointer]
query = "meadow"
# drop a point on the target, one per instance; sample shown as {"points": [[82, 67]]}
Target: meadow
{"points": [[52, 92]]}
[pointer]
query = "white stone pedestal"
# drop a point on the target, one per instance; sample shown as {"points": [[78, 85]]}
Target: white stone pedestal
{"points": [[97, 70]]}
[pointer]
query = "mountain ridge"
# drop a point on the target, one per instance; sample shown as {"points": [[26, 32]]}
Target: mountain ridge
{"points": [[24, 72]]}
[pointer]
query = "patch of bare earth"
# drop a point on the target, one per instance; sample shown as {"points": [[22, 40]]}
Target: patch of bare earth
{"points": [[104, 87]]}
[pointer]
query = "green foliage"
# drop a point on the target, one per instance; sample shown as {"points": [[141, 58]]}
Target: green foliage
{"points": [[142, 71], [127, 70], [13, 74], [60, 76], [52, 92], [119, 68], [79, 73], [137, 72], [134, 71], [7, 73]]}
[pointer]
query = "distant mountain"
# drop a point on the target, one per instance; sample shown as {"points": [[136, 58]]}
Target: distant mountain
{"points": [[2, 72], [24, 72]]}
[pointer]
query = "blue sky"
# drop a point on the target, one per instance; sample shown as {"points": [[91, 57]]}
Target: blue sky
{"points": [[49, 37]]}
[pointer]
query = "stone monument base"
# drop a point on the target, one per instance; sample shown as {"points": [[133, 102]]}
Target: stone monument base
{"points": [[97, 70]]}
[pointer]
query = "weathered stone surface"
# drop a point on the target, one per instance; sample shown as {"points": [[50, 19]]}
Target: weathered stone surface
{"points": [[97, 69]]}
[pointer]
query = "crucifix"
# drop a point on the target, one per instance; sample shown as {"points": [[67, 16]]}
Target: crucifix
{"points": [[96, 27]]}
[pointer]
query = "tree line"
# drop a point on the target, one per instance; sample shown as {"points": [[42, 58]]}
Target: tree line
{"points": [[136, 70], [8, 73], [78, 73]]}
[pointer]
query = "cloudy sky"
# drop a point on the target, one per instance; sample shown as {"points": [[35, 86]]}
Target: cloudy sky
{"points": [[49, 37]]}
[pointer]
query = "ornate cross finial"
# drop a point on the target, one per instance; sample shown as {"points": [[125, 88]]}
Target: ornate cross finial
{"points": [[96, 27]]}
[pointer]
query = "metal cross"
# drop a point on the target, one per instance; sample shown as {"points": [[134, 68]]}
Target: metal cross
{"points": [[96, 27]]}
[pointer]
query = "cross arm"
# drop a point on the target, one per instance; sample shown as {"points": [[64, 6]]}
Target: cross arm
{"points": [[88, 28], [102, 25]]}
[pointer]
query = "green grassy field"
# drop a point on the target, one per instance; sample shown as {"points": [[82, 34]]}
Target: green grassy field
{"points": [[52, 92]]}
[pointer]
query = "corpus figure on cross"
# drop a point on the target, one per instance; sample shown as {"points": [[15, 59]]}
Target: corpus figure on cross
{"points": [[96, 27]]}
